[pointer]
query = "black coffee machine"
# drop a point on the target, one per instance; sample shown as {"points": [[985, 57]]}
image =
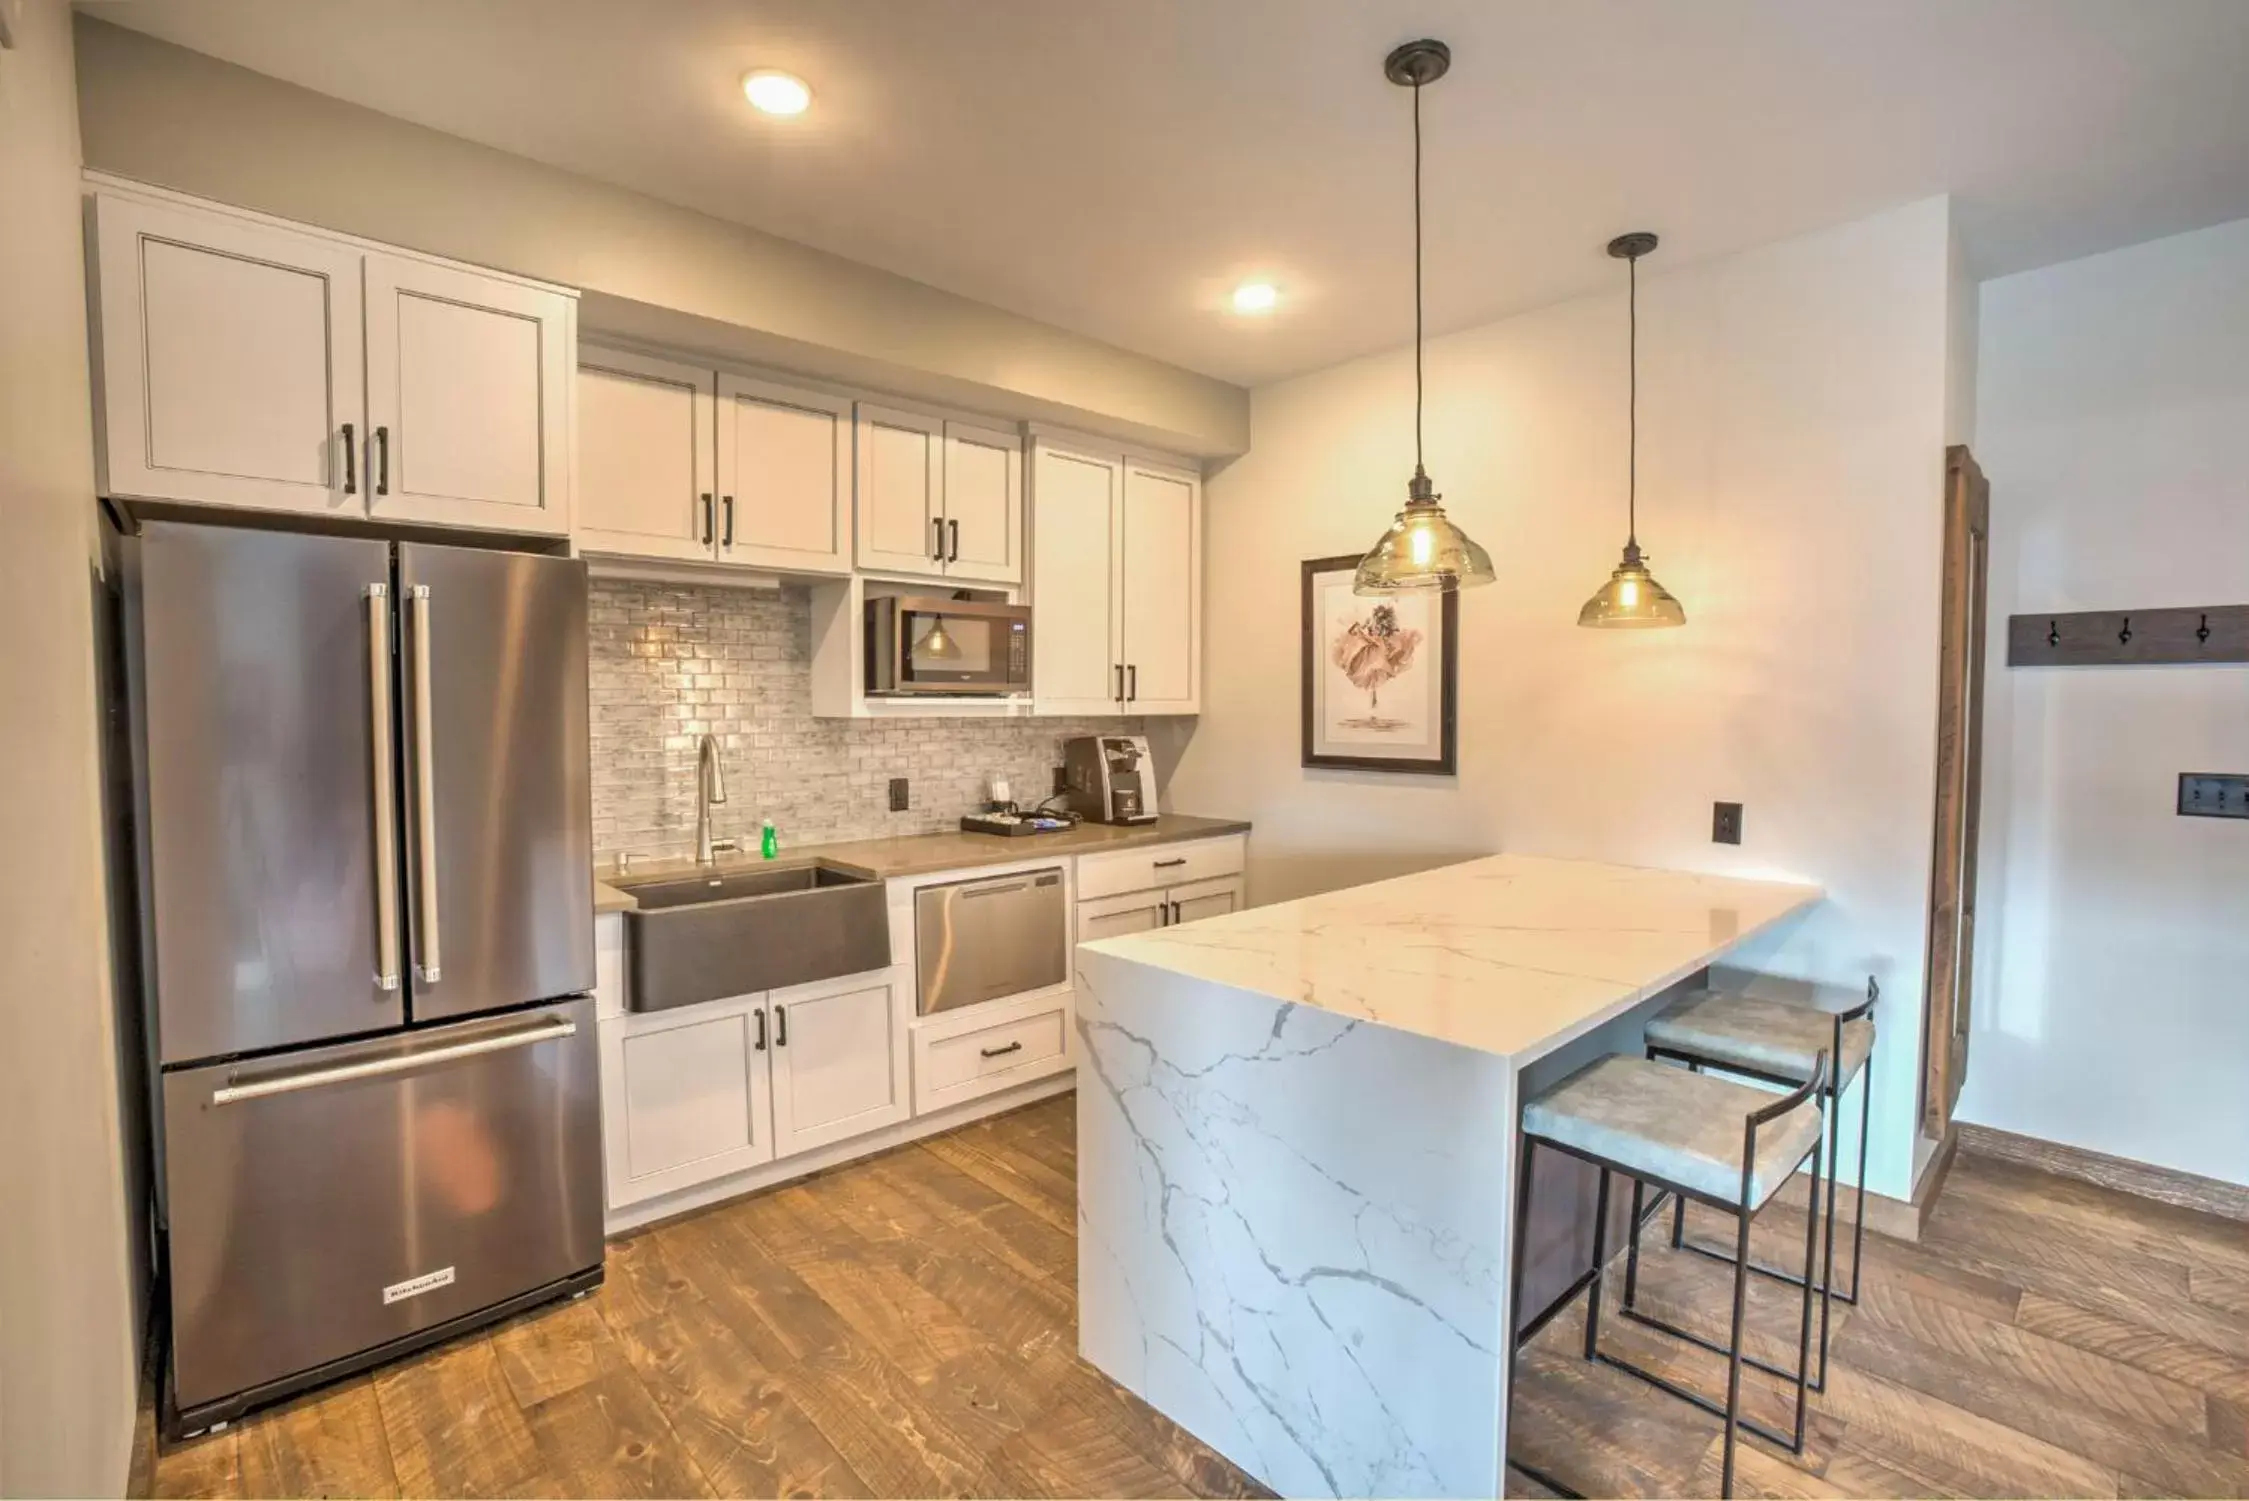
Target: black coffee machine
{"points": [[1110, 778]]}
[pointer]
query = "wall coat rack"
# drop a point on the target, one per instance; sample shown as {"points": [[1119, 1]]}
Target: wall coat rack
{"points": [[2211, 635]]}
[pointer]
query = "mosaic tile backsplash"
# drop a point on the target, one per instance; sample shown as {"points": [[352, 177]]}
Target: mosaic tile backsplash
{"points": [[671, 663]]}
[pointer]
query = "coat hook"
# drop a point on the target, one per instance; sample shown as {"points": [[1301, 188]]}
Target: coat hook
{"points": [[2124, 637], [2053, 633], [2202, 633]]}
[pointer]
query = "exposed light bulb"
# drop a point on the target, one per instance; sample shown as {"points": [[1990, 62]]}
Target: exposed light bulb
{"points": [[1628, 593], [1424, 547], [777, 93]]}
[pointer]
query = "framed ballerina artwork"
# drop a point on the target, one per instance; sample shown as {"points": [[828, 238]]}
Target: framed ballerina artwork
{"points": [[1381, 683]]}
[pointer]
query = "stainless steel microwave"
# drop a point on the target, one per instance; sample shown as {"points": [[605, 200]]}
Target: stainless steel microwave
{"points": [[917, 644]]}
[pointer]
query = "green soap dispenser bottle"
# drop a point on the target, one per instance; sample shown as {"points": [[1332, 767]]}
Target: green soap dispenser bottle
{"points": [[769, 841]]}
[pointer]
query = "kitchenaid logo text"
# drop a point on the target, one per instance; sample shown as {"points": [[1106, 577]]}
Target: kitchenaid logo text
{"points": [[414, 1287]]}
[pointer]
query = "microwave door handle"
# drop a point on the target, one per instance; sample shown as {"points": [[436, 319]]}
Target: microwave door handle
{"points": [[381, 734], [430, 968]]}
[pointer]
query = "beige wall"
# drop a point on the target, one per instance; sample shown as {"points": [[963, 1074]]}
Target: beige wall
{"points": [[1791, 461], [67, 1346], [165, 115]]}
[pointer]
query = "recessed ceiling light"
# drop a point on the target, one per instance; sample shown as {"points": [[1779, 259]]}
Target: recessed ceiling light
{"points": [[1256, 297], [777, 93]]}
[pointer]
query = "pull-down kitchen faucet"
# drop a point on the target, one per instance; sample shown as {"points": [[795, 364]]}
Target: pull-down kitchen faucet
{"points": [[710, 788]]}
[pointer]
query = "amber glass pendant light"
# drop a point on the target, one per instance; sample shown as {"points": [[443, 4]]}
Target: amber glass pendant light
{"points": [[1422, 549], [1632, 599]]}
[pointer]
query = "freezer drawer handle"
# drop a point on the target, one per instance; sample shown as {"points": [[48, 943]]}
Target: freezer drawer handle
{"points": [[429, 969], [400, 1063], [380, 733]]}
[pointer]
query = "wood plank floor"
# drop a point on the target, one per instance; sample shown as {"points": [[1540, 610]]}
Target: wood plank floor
{"points": [[904, 1326]]}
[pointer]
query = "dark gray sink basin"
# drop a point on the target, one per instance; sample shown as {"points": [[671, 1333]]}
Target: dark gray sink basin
{"points": [[711, 937]]}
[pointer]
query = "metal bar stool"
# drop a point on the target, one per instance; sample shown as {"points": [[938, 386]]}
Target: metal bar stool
{"points": [[1780, 1043], [1727, 1145]]}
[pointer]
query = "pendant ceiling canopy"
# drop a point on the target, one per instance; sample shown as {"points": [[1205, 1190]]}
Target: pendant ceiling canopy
{"points": [[1422, 549], [1632, 599]]}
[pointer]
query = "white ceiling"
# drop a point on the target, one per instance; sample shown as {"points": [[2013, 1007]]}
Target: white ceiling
{"points": [[1115, 166]]}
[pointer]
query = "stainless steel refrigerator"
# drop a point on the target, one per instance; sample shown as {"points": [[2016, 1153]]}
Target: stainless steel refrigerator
{"points": [[364, 845]]}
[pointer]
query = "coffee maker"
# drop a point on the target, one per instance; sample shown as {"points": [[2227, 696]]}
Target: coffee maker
{"points": [[1110, 778]]}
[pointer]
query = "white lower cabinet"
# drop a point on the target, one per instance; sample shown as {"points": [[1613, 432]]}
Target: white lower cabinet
{"points": [[701, 1093], [686, 1096], [980, 1050], [838, 1060]]}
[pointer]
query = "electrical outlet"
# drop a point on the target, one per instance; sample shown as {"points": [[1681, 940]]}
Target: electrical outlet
{"points": [[1061, 779], [2212, 794], [900, 801], [1725, 823]]}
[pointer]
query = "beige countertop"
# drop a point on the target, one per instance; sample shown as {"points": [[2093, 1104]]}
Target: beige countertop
{"points": [[922, 854], [1512, 954]]}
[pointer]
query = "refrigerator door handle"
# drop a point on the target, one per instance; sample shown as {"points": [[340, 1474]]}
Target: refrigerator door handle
{"points": [[428, 967], [396, 1063], [381, 737]]}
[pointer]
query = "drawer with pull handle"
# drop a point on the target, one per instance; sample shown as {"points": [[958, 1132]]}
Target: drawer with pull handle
{"points": [[967, 1064], [1120, 871]]}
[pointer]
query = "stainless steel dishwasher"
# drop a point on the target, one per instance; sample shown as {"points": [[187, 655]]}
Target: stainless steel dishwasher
{"points": [[980, 940]]}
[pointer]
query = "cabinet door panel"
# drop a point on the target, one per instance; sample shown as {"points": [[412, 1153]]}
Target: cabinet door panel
{"points": [[784, 463], [647, 456], [1162, 588], [901, 490], [468, 394], [983, 504], [1115, 916], [1075, 503], [230, 361], [684, 1099], [1205, 899], [838, 1062]]}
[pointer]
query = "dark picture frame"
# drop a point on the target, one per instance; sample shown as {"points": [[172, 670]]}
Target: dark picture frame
{"points": [[1318, 671]]}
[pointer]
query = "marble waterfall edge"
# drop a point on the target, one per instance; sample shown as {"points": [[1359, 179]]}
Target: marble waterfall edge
{"points": [[1293, 1232]]}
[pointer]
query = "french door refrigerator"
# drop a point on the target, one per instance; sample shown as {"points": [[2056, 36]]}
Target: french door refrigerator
{"points": [[363, 829]]}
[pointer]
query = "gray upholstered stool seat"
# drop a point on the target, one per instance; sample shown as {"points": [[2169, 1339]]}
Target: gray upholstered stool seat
{"points": [[1651, 1120], [1779, 1039]]}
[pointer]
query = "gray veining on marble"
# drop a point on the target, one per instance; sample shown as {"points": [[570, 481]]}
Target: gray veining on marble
{"points": [[1292, 1232]]}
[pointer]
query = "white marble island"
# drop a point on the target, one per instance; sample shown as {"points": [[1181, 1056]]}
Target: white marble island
{"points": [[1296, 1149]]}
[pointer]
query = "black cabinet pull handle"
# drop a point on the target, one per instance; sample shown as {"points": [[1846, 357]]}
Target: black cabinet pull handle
{"points": [[729, 539], [1132, 694], [351, 464], [1176, 915], [780, 1026], [937, 525], [955, 528], [1119, 695], [761, 1029], [1167, 864], [708, 523], [1013, 1047], [382, 461]]}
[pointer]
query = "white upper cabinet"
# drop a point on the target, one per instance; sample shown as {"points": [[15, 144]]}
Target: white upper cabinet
{"points": [[249, 363], [1116, 570], [901, 491], [468, 397], [784, 477], [1160, 587], [1076, 499], [230, 365], [647, 456], [983, 504], [939, 499]]}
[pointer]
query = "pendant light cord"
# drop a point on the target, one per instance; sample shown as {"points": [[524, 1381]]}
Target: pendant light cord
{"points": [[1632, 406], [1417, 469]]}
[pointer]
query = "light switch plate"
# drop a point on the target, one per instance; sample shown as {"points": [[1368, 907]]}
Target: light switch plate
{"points": [[2213, 794]]}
